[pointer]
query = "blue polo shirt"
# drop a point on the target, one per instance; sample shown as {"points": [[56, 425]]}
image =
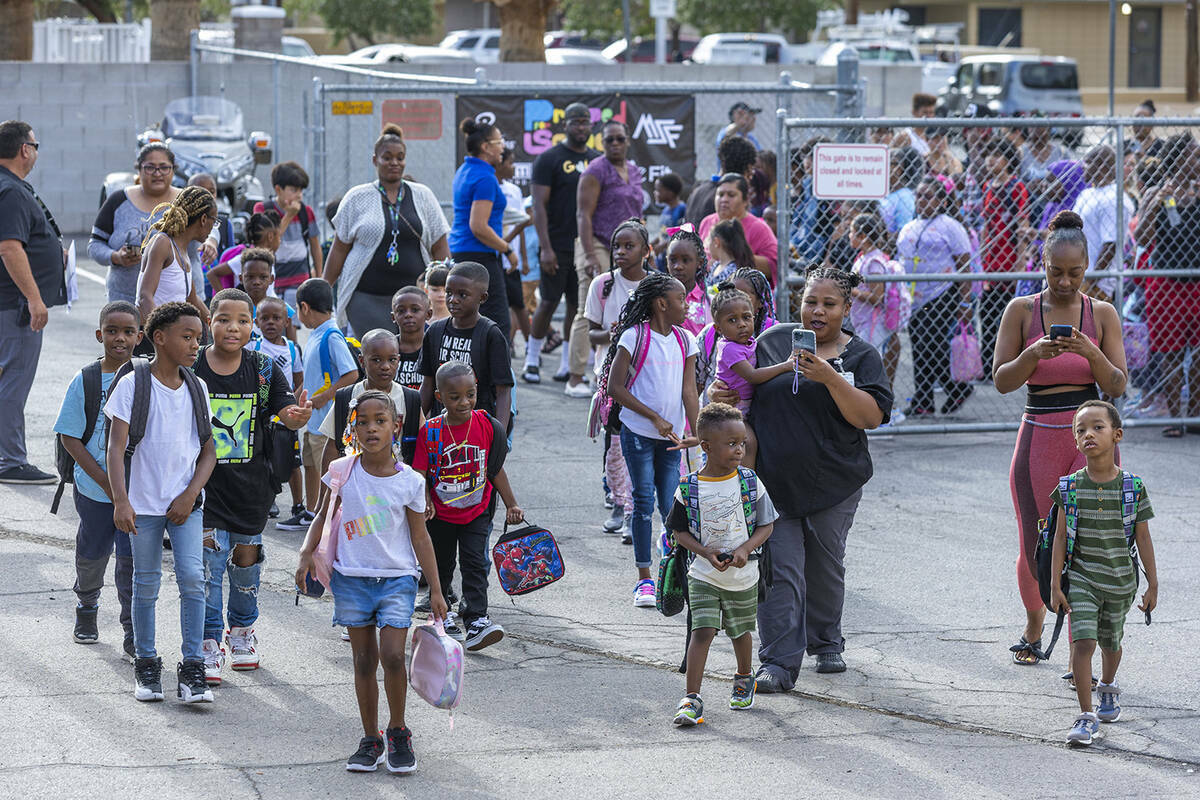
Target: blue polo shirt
{"points": [[475, 180]]}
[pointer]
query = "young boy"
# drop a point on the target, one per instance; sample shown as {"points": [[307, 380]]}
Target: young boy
{"points": [[271, 322], [1111, 511], [299, 255], [461, 455], [474, 340], [119, 333], [731, 518], [328, 366], [161, 491], [435, 288], [258, 273], [410, 312], [245, 389], [667, 190]]}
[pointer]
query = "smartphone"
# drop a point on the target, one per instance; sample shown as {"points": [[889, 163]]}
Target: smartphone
{"points": [[1060, 331], [804, 339]]}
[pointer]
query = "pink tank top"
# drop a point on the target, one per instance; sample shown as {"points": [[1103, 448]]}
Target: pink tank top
{"points": [[1068, 369]]}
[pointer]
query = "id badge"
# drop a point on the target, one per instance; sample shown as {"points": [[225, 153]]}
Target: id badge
{"points": [[848, 377]]}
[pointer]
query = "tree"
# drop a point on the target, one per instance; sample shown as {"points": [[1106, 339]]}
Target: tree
{"points": [[172, 23], [522, 24], [16, 32], [367, 19], [604, 17], [794, 17]]}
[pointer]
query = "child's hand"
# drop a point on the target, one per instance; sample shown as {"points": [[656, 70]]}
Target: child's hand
{"points": [[665, 429], [298, 415], [124, 518], [1058, 601], [320, 399], [303, 568], [513, 515], [713, 557], [741, 556], [429, 509], [437, 606], [181, 508], [292, 208], [684, 443], [1149, 598]]}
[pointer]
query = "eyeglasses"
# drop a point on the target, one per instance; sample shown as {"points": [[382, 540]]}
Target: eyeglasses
{"points": [[157, 169], [615, 140], [34, 145], [495, 141]]}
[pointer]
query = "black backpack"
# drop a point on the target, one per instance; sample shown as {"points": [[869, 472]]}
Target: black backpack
{"points": [[408, 434], [63, 461]]}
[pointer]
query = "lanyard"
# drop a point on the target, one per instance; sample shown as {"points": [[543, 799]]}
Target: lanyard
{"points": [[393, 212]]}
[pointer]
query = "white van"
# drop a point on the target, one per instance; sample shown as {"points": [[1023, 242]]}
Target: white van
{"points": [[742, 48]]}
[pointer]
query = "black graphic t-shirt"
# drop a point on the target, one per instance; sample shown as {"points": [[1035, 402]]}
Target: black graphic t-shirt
{"points": [[444, 342], [409, 372], [560, 168], [236, 498]]}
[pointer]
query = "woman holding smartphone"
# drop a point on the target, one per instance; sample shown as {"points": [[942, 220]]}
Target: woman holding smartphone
{"points": [[813, 459], [1065, 348]]}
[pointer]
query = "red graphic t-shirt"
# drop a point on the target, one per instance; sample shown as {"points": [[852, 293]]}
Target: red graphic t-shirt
{"points": [[1004, 211], [461, 488]]}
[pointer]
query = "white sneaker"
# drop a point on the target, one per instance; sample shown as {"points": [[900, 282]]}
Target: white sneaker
{"points": [[242, 642], [214, 660], [643, 594], [345, 634], [579, 390]]}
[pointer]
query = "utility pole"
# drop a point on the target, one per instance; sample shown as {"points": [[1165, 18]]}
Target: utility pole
{"points": [[1191, 61]]}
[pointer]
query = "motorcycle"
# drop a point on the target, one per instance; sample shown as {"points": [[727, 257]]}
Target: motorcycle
{"points": [[206, 135]]}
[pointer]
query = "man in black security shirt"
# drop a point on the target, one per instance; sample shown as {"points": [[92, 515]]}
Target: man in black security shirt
{"points": [[555, 178]]}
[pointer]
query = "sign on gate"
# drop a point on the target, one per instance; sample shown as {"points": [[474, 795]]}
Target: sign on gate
{"points": [[850, 171], [662, 127], [420, 119]]}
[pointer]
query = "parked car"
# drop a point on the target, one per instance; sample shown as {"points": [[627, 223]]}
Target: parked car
{"points": [[742, 48], [396, 53], [292, 46], [481, 44], [1010, 86], [575, 55], [573, 39], [889, 51], [643, 49]]}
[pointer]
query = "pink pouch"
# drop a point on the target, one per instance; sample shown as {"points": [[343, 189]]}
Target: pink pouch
{"points": [[326, 552], [435, 668], [966, 365]]}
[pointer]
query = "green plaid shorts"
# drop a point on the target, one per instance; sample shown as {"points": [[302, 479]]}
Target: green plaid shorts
{"points": [[720, 608], [1097, 615]]}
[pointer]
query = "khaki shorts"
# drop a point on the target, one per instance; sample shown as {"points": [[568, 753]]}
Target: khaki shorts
{"points": [[312, 448]]}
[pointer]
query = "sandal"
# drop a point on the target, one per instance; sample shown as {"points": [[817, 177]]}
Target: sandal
{"points": [[553, 340], [1027, 653], [1069, 677], [1173, 432]]}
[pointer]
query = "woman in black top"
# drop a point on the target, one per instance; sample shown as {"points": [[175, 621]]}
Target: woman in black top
{"points": [[813, 459]]}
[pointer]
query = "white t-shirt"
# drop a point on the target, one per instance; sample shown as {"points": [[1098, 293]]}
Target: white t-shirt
{"points": [[605, 311], [359, 388], [165, 460], [659, 386], [1097, 206], [374, 540], [723, 526], [284, 356]]}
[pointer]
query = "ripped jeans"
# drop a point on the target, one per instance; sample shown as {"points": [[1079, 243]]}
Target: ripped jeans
{"points": [[243, 582]]}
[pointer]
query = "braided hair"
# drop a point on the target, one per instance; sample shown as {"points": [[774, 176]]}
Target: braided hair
{"points": [[191, 204], [350, 434], [631, 224], [762, 289], [639, 308], [691, 237], [728, 293], [846, 281]]}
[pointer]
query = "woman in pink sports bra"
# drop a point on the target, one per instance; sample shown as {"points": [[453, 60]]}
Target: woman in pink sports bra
{"points": [[1060, 373]]}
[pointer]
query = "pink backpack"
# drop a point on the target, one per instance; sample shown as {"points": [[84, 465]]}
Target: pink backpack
{"points": [[435, 668], [326, 552], [602, 403]]}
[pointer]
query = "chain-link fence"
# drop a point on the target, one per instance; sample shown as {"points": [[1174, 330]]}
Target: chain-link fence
{"points": [[958, 229]]}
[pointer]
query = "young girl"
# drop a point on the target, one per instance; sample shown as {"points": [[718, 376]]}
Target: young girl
{"points": [[869, 312], [262, 231], [380, 543], [728, 251], [654, 406], [762, 301], [629, 252], [166, 274], [688, 264], [435, 288]]}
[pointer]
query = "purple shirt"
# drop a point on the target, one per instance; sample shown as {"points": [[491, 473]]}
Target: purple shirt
{"points": [[728, 354], [618, 201]]}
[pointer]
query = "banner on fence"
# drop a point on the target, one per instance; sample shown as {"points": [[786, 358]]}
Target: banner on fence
{"points": [[662, 127]]}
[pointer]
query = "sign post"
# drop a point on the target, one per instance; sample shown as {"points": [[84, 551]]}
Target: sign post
{"points": [[661, 10], [851, 171]]}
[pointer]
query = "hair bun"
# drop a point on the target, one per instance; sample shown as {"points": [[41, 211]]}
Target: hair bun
{"points": [[468, 126], [1065, 221], [392, 129]]}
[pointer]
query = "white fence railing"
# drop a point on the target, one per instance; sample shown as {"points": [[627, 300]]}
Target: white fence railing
{"points": [[69, 41]]}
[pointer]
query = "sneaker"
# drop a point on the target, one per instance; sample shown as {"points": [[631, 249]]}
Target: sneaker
{"points": [[400, 756], [273, 512], [578, 391], [1085, 730], [767, 682], [298, 521], [743, 692], [147, 674], [1109, 709], [608, 500], [643, 594], [626, 532], [690, 711], [193, 686], [918, 411], [561, 377], [345, 634], [214, 659], [615, 521], [453, 628], [830, 662], [86, 631], [370, 754], [127, 648], [29, 475], [242, 651], [530, 375], [481, 633]]}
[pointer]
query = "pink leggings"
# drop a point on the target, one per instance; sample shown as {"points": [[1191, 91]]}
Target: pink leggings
{"points": [[618, 475]]}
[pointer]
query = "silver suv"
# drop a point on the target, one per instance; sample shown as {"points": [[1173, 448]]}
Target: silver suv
{"points": [[1013, 86]]}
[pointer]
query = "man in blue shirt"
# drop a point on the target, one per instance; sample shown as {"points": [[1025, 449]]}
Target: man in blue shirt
{"points": [[742, 118]]}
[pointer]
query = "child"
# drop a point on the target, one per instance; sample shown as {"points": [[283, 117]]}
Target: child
{"points": [[411, 312], [98, 536], [160, 493], [762, 301], [374, 579], [629, 255], [869, 312], [735, 356], [728, 251], [724, 534], [435, 288], [262, 231], [461, 455], [472, 339], [272, 321], [668, 189], [245, 390], [328, 366], [655, 408], [166, 268], [256, 278], [687, 263], [299, 255], [531, 270], [1103, 576], [515, 221]]}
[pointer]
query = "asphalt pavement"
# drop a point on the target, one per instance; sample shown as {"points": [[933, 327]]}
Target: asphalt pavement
{"points": [[579, 695]]}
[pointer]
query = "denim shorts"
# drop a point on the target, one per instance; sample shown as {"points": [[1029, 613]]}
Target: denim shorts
{"points": [[362, 602]]}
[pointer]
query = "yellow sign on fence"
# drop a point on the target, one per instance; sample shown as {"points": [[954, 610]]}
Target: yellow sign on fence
{"points": [[347, 107]]}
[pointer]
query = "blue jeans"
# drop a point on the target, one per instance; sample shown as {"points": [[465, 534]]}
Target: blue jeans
{"points": [[651, 467], [243, 582], [186, 548]]}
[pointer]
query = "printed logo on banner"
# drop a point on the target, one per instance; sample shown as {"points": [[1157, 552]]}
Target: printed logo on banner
{"points": [[658, 131]]}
